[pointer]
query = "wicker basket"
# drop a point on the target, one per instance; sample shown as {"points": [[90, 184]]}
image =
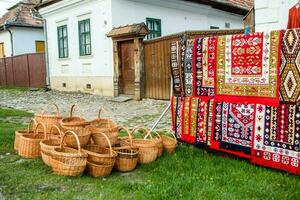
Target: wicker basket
{"points": [[49, 119], [98, 154], [67, 161], [48, 145], [106, 126], [170, 143], [99, 169], [18, 133], [29, 144], [78, 125], [127, 156], [148, 150]]}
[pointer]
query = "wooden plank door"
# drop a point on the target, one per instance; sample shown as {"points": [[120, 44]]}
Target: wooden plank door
{"points": [[2, 50], [127, 68]]}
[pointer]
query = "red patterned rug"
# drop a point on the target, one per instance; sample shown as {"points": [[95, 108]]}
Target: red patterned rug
{"points": [[247, 68], [233, 126]]}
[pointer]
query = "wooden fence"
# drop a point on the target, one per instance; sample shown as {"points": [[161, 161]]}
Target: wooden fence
{"points": [[157, 60], [28, 70]]}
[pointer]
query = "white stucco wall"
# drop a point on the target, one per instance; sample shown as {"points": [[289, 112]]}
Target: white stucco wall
{"points": [[95, 69], [24, 39], [5, 38], [272, 14], [176, 16]]}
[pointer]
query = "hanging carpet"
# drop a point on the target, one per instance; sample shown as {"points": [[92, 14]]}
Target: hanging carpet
{"points": [[277, 137]]}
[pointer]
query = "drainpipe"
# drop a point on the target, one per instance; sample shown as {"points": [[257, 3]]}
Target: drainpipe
{"points": [[46, 55], [5, 27]]}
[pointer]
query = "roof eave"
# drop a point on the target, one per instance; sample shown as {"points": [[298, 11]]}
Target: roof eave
{"points": [[223, 6]]}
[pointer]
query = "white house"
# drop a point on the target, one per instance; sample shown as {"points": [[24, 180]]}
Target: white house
{"points": [[21, 30], [81, 56], [272, 14]]}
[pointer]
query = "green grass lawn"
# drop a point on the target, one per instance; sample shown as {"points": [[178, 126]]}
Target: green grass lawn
{"points": [[190, 173]]}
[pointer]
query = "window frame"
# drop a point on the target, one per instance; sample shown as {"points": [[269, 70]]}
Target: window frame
{"points": [[83, 46], [65, 54], [153, 33]]}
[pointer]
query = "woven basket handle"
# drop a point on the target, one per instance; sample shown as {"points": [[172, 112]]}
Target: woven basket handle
{"points": [[128, 132], [170, 132], [45, 110], [145, 131], [99, 115], [53, 127], [149, 133], [31, 125], [107, 139], [76, 137], [73, 109], [36, 129]]}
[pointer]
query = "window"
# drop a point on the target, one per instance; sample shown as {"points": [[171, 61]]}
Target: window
{"points": [[39, 46], [154, 26], [84, 37], [227, 25], [214, 27], [2, 50], [62, 33]]}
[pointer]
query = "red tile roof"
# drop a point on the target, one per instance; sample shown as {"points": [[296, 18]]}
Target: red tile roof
{"points": [[23, 14]]}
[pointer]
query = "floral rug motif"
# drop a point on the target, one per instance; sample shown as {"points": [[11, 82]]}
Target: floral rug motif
{"points": [[248, 68]]}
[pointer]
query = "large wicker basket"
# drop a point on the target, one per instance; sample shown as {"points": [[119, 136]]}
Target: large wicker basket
{"points": [[78, 125], [49, 119], [148, 150], [48, 145], [67, 161], [127, 155], [29, 144], [18, 133]]}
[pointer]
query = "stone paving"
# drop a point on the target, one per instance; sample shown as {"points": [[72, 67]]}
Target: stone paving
{"points": [[130, 113]]}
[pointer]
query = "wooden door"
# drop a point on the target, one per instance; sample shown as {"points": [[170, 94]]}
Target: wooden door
{"points": [[1, 50], [39, 46], [127, 68]]}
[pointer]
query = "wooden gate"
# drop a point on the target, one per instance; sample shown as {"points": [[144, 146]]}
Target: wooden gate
{"points": [[27, 70], [157, 61]]}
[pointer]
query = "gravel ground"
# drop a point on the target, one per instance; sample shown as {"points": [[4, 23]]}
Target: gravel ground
{"points": [[130, 113]]}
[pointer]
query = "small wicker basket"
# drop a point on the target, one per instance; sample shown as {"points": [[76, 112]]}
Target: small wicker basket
{"points": [[18, 133], [98, 169], [29, 144], [78, 125], [106, 126], [127, 158], [148, 150], [170, 143], [67, 161], [98, 154], [49, 119], [48, 145]]}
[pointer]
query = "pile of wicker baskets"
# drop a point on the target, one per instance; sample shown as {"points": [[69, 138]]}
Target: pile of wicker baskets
{"points": [[72, 145]]}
